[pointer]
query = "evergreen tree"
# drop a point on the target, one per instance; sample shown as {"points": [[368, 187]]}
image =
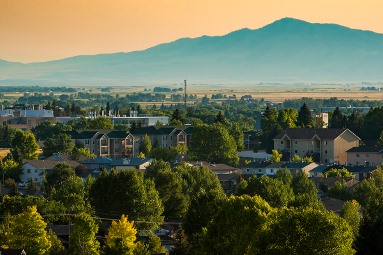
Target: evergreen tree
{"points": [[107, 109], [304, 117], [337, 119]]}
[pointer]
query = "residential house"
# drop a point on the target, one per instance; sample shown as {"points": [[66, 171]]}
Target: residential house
{"points": [[35, 169], [365, 155], [324, 145], [229, 182], [131, 163], [359, 172], [100, 163], [270, 168]]}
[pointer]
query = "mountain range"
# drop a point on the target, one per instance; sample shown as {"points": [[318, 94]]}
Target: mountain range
{"points": [[287, 50]]}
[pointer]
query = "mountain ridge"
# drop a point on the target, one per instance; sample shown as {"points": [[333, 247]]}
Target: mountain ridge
{"points": [[286, 50]]}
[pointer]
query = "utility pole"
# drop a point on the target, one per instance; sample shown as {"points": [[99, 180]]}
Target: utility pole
{"points": [[185, 96]]}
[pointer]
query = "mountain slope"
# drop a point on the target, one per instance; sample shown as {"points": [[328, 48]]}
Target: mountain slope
{"points": [[287, 50]]}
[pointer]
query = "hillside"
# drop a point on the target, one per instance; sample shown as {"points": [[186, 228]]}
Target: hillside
{"points": [[287, 50]]}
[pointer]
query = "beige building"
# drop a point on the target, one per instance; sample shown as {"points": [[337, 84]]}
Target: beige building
{"points": [[365, 156], [323, 145]]}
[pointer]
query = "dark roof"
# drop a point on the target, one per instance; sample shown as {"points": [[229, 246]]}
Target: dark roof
{"points": [[257, 164], [48, 164], [130, 161], [144, 131], [61, 230], [228, 177], [333, 204], [296, 165], [98, 160], [165, 130], [73, 134], [321, 169], [189, 130], [88, 134], [276, 164], [118, 134], [99, 136], [308, 133], [361, 169], [366, 149]]}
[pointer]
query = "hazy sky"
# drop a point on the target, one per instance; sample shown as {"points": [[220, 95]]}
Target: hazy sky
{"points": [[40, 30]]}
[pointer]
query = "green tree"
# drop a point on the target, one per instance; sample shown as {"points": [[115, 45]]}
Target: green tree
{"points": [[340, 191], [127, 192], [27, 231], [146, 145], [237, 133], [25, 144], [304, 190], [275, 156], [337, 120], [177, 118], [181, 244], [334, 172], [300, 231], [121, 237], [305, 118], [83, 238], [287, 118], [61, 143], [237, 226], [296, 158], [76, 153], [101, 122], [56, 246], [351, 213], [10, 169], [220, 118], [274, 191], [221, 149]]}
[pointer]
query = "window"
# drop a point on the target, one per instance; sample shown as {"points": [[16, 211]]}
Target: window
{"points": [[296, 151], [29, 171], [35, 170], [271, 170], [325, 142], [325, 151], [86, 141], [325, 160], [357, 155], [259, 170], [247, 170], [296, 142], [281, 142], [36, 179]]}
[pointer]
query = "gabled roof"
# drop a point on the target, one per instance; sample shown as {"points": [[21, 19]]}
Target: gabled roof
{"points": [[276, 165], [295, 165], [373, 149], [165, 130], [309, 133], [118, 134], [99, 136], [73, 134], [189, 130], [320, 169], [145, 131], [88, 134], [49, 164], [361, 169], [98, 160]]}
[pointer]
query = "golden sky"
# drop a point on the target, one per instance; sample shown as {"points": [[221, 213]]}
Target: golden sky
{"points": [[40, 30]]}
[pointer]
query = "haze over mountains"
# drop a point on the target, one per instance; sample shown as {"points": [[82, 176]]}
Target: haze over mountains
{"points": [[287, 50]]}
